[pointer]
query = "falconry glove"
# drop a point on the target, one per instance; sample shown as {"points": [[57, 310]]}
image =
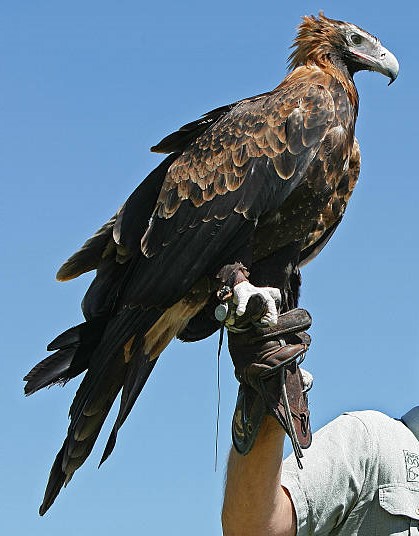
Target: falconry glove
{"points": [[266, 361]]}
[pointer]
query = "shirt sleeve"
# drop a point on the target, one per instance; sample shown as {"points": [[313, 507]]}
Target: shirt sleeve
{"points": [[334, 471]]}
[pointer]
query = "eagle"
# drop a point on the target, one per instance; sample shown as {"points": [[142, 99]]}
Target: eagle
{"points": [[261, 183]]}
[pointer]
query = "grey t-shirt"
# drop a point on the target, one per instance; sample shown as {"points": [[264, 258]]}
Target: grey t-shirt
{"points": [[360, 477]]}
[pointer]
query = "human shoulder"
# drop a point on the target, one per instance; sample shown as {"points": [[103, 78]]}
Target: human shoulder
{"points": [[372, 419], [394, 448], [379, 425], [360, 436]]}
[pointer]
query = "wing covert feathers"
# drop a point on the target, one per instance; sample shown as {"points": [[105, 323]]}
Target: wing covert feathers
{"points": [[212, 175]]}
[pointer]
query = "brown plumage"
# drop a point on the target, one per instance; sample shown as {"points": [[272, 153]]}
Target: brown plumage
{"points": [[264, 181]]}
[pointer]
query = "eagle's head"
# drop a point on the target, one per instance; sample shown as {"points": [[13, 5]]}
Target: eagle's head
{"points": [[346, 46]]}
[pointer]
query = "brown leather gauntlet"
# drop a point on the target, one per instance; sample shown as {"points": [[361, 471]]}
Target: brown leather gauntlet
{"points": [[266, 365]]}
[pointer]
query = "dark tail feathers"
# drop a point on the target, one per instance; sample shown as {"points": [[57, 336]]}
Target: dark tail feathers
{"points": [[114, 360], [74, 348]]}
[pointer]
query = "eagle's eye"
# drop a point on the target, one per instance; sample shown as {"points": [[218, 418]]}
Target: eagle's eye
{"points": [[356, 39]]}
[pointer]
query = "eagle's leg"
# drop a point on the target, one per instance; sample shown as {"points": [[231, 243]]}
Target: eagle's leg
{"points": [[239, 293], [271, 296]]}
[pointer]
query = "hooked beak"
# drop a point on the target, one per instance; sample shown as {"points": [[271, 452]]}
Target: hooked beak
{"points": [[382, 61]]}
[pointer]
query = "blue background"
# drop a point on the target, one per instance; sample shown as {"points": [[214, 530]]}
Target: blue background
{"points": [[86, 88]]}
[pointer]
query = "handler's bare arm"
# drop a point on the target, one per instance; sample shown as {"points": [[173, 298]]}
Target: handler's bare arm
{"points": [[255, 503]]}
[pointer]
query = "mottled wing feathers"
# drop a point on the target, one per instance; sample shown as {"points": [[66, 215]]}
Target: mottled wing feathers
{"points": [[281, 131], [179, 140]]}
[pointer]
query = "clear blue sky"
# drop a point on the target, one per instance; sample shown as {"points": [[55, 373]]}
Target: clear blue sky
{"points": [[86, 89]]}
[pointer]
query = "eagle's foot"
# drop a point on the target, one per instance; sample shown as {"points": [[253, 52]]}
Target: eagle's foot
{"points": [[242, 303], [269, 299]]}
